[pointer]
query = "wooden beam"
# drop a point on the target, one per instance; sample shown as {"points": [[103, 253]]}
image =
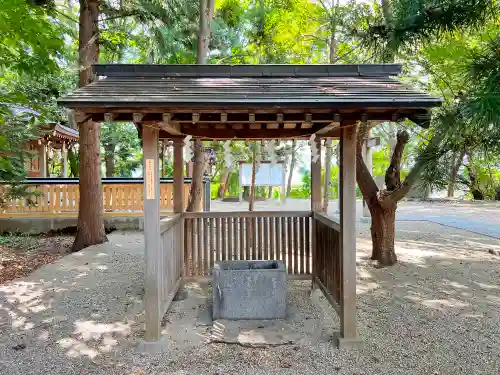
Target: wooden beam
{"points": [[273, 125], [260, 133], [137, 117], [223, 117], [348, 237], [289, 125], [154, 251], [251, 117], [171, 127]]}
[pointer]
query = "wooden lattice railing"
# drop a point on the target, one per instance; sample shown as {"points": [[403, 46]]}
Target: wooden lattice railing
{"points": [[327, 260], [61, 197], [214, 236]]}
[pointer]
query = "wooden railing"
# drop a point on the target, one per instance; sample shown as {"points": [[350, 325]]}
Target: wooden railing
{"points": [[171, 262], [327, 260], [61, 197], [214, 236]]}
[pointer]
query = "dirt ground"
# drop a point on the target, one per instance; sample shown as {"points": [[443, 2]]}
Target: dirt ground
{"points": [[21, 255]]}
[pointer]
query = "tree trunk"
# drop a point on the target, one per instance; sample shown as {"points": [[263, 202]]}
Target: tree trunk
{"points": [[383, 231], [251, 205], [223, 183], [90, 228], [109, 160], [452, 178], [196, 191], [292, 167]]}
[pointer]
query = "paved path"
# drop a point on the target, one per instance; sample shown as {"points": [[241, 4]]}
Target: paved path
{"points": [[477, 217]]}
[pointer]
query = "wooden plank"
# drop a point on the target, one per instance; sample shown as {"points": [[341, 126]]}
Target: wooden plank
{"points": [[242, 237], [250, 214], [248, 238], [327, 220], [218, 249], [223, 234], [283, 241], [266, 238], [254, 238], [206, 245], [272, 244], [212, 242], [296, 245], [230, 255], [235, 239], [194, 243], [199, 247], [308, 259], [260, 252], [289, 250]]}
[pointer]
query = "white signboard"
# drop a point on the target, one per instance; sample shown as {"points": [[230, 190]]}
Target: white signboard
{"points": [[267, 175]]}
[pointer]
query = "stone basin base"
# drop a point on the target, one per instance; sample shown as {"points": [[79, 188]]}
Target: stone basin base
{"points": [[249, 289]]}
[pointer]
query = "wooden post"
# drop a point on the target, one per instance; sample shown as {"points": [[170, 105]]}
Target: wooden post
{"points": [[328, 162], [153, 288], [316, 180], [64, 153], [42, 160], [315, 200], [348, 237], [179, 204]]}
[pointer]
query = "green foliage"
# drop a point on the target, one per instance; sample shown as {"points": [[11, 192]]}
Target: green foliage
{"points": [[121, 148]]}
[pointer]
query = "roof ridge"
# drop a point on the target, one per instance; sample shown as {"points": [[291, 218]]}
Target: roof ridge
{"points": [[247, 71]]}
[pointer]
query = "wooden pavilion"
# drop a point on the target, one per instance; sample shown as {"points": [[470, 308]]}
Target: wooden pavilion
{"points": [[57, 137], [249, 102]]}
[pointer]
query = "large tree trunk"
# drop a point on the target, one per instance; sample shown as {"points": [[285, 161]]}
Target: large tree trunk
{"points": [[109, 160], [452, 178], [223, 183], [251, 205], [292, 167], [195, 194], [90, 228], [196, 191], [382, 204]]}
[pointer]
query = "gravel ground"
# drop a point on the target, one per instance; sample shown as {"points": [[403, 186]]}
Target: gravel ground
{"points": [[436, 312]]}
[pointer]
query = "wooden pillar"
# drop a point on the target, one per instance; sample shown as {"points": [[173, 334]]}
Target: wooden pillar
{"points": [[64, 153], [328, 162], [153, 287], [316, 204], [42, 160], [368, 159], [179, 195], [348, 236]]}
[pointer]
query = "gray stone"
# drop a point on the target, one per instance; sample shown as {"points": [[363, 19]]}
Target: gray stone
{"points": [[249, 290]]}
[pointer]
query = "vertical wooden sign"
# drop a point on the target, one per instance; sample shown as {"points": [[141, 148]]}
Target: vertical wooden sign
{"points": [[149, 179]]}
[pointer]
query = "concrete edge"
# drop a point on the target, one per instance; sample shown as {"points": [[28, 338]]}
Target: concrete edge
{"points": [[153, 347]]}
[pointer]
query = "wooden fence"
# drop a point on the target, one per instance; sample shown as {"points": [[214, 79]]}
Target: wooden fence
{"points": [[327, 262], [214, 236], [61, 197], [171, 262]]}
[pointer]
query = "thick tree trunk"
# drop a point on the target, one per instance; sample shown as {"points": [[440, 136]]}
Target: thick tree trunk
{"points": [[90, 228], [109, 160], [196, 191], [383, 230], [223, 183], [292, 167], [251, 205], [452, 178]]}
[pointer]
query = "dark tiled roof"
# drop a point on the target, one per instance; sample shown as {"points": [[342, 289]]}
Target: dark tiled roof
{"points": [[333, 86]]}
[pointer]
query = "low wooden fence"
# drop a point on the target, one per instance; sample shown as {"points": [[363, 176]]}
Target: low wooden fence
{"points": [[327, 260], [171, 262], [61, 197], [214, 236]]}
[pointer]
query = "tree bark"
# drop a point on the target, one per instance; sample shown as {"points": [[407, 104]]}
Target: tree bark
{"points": [[383, 233], [196, 190], [195, 194], [109, 160], [251, 204], [292, 167], [90, 228], [452, 178], [223, 183]]}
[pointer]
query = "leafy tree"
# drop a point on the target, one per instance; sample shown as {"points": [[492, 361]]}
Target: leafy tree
{"points": [[121, 147]]}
